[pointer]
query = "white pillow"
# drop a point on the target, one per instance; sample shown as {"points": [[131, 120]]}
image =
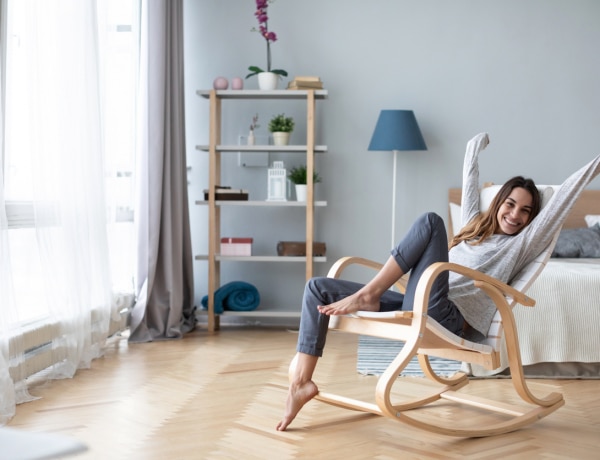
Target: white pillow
{"points": [[592, 219], [486, 195], [547, 191], [455, 217]]}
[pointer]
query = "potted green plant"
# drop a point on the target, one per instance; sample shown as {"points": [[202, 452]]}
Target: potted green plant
{"points": [[281, 127], [298, 176]]}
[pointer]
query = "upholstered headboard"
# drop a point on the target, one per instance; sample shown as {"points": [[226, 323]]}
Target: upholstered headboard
{"points": [[588, 203]]}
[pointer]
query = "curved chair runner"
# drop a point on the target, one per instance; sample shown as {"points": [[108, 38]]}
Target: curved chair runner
{"points": [[423, 337]]}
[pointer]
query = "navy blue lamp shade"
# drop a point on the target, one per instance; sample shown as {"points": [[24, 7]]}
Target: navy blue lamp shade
{"points": [[397, 130]]}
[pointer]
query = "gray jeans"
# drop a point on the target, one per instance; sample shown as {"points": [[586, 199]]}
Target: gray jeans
{"points": [[425, 243]]}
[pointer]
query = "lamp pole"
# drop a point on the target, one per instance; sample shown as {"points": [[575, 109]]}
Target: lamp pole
{"points": [[394, 199]]}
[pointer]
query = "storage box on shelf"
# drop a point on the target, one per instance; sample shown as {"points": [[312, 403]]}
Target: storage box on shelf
{"points": [[236, 246], [298, 248], [215, 200]]}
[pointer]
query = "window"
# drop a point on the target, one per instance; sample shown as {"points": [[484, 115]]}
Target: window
{"points": [[117, 25]]}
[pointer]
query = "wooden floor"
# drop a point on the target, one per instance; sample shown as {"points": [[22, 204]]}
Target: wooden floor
{"points": [[219, 396]]}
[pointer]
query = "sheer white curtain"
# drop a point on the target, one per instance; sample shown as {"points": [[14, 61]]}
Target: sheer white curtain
{"points": [[53, 121], [7, 306], [7, 389]]}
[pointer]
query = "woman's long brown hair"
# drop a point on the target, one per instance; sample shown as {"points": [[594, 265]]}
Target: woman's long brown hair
{"points": [[486, 224]]}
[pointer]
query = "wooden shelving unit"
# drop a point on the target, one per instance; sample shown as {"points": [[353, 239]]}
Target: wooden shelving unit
{"points": [[215, 149]]}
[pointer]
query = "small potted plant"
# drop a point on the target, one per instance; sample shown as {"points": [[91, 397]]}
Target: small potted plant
{"points": [[298, 176], [281, 127]]}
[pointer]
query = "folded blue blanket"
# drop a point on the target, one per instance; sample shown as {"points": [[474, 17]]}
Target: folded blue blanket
{"points": [[234, 296]]}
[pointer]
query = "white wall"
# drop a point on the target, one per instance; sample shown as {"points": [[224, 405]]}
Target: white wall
{"points": [[525, 71]]}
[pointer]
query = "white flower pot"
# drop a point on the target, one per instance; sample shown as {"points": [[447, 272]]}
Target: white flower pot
{"points": [[300, 192], [280, 138], [267, 80]]}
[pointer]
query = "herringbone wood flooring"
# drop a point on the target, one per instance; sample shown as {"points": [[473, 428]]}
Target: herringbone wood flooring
{"points": [[219, 396]]}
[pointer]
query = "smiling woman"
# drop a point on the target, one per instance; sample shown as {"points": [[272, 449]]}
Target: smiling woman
{"points": [[451, 298]]}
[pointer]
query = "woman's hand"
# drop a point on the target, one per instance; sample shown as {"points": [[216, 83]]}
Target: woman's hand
{"points": [[479, 142]]}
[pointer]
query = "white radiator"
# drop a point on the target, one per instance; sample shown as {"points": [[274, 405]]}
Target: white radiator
{"points": [[30, 350]]}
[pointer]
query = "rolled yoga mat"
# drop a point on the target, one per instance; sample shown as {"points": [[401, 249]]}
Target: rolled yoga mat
{"points": [[234, 296]]}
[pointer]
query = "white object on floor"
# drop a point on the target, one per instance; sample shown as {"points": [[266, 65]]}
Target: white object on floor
{"points": [[27, 445]]}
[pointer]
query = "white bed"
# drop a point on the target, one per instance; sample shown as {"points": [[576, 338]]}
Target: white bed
{"points": [[559, 337]]}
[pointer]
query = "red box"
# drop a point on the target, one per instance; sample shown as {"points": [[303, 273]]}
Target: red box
{"points": [[236, 246]]}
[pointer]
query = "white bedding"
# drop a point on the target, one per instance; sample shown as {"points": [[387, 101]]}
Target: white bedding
{"points": [[564, 325]]}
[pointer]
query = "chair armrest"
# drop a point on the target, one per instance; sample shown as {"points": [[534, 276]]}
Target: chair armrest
{"points": [[495, 289], [480, 277], [341, 264]]}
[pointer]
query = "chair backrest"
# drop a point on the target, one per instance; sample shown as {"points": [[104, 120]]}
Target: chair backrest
{"points": [[522, 281], [525, 278]]}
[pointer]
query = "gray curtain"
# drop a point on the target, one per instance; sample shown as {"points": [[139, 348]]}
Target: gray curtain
{"points": [[165, 285]]}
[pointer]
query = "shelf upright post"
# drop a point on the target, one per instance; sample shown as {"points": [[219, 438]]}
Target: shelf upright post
{"points": [[214, 212], [310, 168]]}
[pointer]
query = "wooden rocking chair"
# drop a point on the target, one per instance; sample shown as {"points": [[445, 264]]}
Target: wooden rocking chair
{"points": [[424, 337]]}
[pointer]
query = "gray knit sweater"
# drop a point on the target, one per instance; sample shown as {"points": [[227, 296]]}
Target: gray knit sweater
{"points": [[503, 256]]}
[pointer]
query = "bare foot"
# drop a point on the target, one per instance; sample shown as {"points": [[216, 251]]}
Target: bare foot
{"points": [[298, 396], [351, 304]]}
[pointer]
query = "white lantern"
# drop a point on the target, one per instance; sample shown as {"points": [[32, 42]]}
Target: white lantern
{"points": [[277, 182]]}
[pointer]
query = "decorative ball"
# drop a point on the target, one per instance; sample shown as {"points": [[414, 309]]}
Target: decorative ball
{"points": [[237, 83], [220, 83]]}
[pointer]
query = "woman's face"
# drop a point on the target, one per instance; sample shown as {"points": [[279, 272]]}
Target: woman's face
{"points": [[514, 214]]}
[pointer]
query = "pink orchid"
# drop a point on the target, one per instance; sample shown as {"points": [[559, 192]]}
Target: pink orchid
{"points": [[263, 29]]}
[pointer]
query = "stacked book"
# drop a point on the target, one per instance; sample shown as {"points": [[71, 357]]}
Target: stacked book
{"points": [[306, 83], [225, 193]]}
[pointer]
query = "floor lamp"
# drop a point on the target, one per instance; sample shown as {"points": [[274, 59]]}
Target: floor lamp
{"points": [[396, 130]]}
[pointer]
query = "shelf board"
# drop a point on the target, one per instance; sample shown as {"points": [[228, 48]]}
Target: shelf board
{"points": [[270, 312], [261, 258], [263, 148], [300, 204], [262, 94]]}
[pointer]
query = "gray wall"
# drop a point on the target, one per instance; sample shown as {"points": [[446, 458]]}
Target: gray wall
{"points": [[525, 71]]}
